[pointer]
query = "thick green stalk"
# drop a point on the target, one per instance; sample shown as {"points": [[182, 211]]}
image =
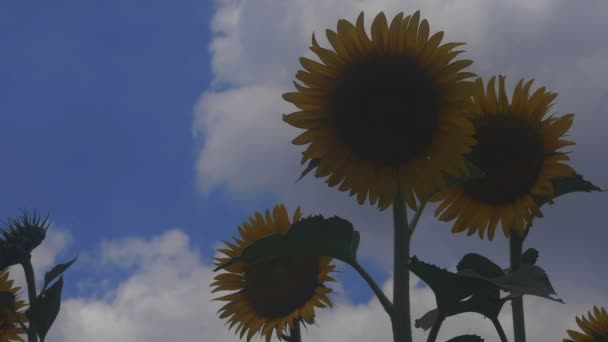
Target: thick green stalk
{"points": [[295, 333], [402, 329], [436, 326], [31, 291], [516, 244], [501, 333], [386, 303]]}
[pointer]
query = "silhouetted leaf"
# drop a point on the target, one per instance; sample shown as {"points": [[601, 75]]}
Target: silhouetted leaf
{"points": [[56, 271], [311, 166], [427, 320], [528, 279], [449, 288], [44, 309], [480, 264], [485, 302], [566, 185], [483, 298], [315, 236], [530, 256]]}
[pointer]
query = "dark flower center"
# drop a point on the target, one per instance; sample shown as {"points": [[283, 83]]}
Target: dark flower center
{"points": [[510, 151], [5, 321], [277, 286], [385, 109]]}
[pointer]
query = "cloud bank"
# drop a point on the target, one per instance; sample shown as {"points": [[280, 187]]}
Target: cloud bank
{"points": [[246, 150]]}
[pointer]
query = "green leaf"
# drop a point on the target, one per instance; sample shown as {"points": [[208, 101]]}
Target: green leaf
{"points": [[311, 165], [7, 300], [427, 320], [314, 236], [449, 288], [457, 293], [485, 302], [528, 279], [44, 309], [480, 264], [474, 172], [466, 338], [530, 256], [56, 271], [566, 185]]}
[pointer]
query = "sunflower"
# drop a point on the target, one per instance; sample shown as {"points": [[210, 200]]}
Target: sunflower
{"points": [[517, 150], [9, 326], [384, 113], [595, 328], [273, 292]]}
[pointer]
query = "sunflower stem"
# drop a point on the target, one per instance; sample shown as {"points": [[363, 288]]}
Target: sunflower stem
{"points": [[386, 303], [501, 332], [31, 291], [436, 326], [417, 215], [402, 328], [295, 334], [516, 244]]}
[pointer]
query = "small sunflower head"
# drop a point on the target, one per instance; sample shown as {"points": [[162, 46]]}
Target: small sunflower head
{"points": [[274, 292], [19, 238], [595, 329], [517, 148], [9, 326], [384, 112]]}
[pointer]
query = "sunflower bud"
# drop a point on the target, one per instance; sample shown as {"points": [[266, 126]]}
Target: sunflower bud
{"points": [[20, 236]]}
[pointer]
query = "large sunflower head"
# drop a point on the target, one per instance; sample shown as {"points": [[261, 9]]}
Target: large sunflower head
{"points": [[517, 149], [595, 329], [9, 326], [273, 292], [384, 112]]}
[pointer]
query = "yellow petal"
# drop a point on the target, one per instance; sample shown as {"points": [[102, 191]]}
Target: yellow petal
{"points": [[327, 56], [394, 34], [315, 67], [517, 97], [503, 102], [337, 44], [431, 46], [423, 35], [380, 32], [412, 28], [491, 105]]}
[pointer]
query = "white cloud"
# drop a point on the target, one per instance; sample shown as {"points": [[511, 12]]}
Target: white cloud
{"points": [[167, 297], [248, 119], [245, 143], [246, 147]]}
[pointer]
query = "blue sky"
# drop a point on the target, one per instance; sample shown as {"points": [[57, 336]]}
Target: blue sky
{"points": [[97, 107], [138, 125]]}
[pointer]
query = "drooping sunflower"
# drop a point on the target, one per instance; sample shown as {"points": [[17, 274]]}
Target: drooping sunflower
{"points": [[9, 326], [595, 329], [385, 112], [517, 148], [274, 292]]}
